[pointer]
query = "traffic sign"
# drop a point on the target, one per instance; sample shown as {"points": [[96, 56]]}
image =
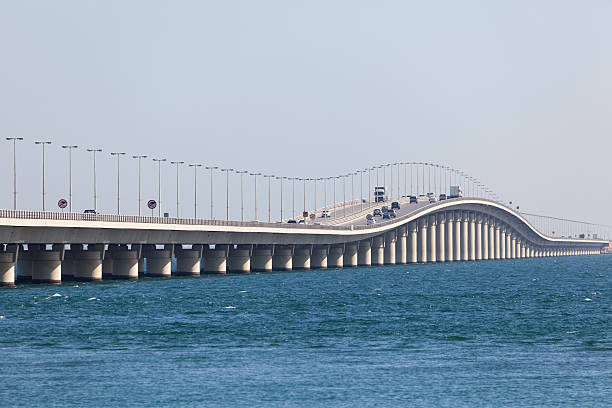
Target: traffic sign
{"points": [[62, 203], [152, 204]]}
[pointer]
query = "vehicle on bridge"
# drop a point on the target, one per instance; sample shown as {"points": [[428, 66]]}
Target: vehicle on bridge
{"points": [[413, 199], [325, 214], [442, 197], [377, 212], [379, 195], [455, 192], [395, 205]]}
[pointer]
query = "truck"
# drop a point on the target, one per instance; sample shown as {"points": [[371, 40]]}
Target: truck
{"points": [[379, 195], [455, 192]]}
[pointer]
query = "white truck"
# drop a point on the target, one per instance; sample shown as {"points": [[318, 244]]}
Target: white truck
{"points": [[455, 192]]}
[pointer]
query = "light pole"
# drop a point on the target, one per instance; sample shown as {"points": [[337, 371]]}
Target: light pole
{"points": [[293, 197], [335, 177], [159, 162], [361, 189], [118, 154], [255, 175], [14, 139], [280, 178], [43, 143], [227, 192], [195, 189], [390, 165], [325, 192], [69, 175], [242, 173], [269, 177], [370, 187], [140, 157], [344, 177], [304, 196], [399, 194], [95, 196], [211, 168], [177, 163], [353, 193]]}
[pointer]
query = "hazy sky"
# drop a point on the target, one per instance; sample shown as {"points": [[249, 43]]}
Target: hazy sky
{"points": [[517, 93]]}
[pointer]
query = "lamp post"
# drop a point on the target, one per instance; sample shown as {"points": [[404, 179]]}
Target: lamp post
{"points": [[344, 177], [255, 175], [360, 189], [43, 143], [353, 193], [177, 163], [369, 187], [211, 168], [159, 162], [335, 177], [242, 173], [118, 154], [304, 195], [280, 178], [15, 139], [69, 147], [227, 192], [139, 173], [269, 177], [293, 197], [95, 196], [195, 189]]}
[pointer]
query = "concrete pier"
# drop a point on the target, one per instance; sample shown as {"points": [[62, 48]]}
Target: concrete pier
{"points": [[302, 257], [335, 256], [88, 264], [503, 254], [390, 240], [47, 265], [188, 261], [364, 252], [261, 260], [441, 237], [422, 244], [471, 237], [412, 242], [159, 261], [8, 257], [318, 259], [432, 225], [450, 235], [68, 263], [401, 246], [478, 238], [24, 265], [125, 262], [457, 253], [239, 259], [350, 255], [282, 260], [378, 251], [485, 238], [215, 259]]}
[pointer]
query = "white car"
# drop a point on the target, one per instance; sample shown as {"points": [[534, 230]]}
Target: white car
{"points": [[370, 221], [432, 199], [325, 214]]}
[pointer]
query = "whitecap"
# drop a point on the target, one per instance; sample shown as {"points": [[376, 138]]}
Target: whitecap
{"points": [[229, 307], [93, 298], [55, 295], [571, 332], [1, 317], [588, 299], [243, 291]]}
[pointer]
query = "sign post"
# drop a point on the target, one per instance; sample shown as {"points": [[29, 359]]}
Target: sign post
{"points": [[152, 204], [62, 203]]}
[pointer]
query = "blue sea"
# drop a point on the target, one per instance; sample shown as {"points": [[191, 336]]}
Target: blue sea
{"points": [[525, 332]]}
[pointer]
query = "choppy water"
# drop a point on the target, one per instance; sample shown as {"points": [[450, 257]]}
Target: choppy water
{"points": [[529, 332]]}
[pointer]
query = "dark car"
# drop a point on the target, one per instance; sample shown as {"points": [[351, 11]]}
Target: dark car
{"points": [[413, 199], [292, 222], [391, 213], [384, 209], [395, 205], [442, 197], [386, 216], [377, 213], [89, 212]]}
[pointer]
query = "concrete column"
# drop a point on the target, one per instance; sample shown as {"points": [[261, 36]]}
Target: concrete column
{"points": [[318, 258], [215, 259], [282, 260], [24, 265], [107, 262], [350, 255], [431, 244], [485, 237], [457, 239], [412, 242], [159, 261], [513, 245], [441, 237], [378, 250], [364, 255], [390, 240], [261, 260], [450, 234], [88, 264], [301, 257], [478, 237], [503, 254], [188, 261], [528, 251], [508, 249], [239, 259], [498, 244], [471, 237], [125, 262], [401, 246], [422, 244], [8, 257], [335, 256], [68, 264], [47, 265], [465, 236]]}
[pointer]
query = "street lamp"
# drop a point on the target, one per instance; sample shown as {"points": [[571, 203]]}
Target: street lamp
{"points": [[69, 175], [293, 197], [281, 178], [14, 139], [195, 188], [227, 192], [159, 162], [43, 143], [255, 175], [118, 154], [211, 168], [95, 196], [139, 173], [177, 163], [269, 177], [242, 173]]}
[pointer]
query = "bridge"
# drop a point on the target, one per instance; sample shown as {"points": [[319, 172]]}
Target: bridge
{"points": [[48, 247]]}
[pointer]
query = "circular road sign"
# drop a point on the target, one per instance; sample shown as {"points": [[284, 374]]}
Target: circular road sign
{"points": [[152, 204], [62, 203]]}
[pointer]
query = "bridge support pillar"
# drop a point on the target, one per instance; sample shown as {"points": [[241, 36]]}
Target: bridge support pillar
{"points": [[282, 260], [261, 260], [431, 236], [68, 263], [188, 261], [498, 243], [465, 236], [441, 237], [24, 265], [364, 256], [215, 259], [457, 238], [125, 262], [302, 257], [449, 236], [401, 246], [88, 264], [412, 242], [47, 265], [318, 259], [485, 237], [503, 253], [350, 254], [478, 237], [239, 259], [471, 236], [422, 245], [508, 245], [513, 245], [335, 256], [159, 261], [8, 257], [523, 254], [378, 250], [107, 263], [390, 240]]}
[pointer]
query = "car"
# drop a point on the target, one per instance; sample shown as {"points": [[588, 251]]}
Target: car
{"points": [[377, 212], [432, 199], [370, 221], [325, 214], [391, 213], [384, 209], [413, 199], [442, 196], [386, 216], [395, 205], [89, 212], [301, 222], [291, 222]]}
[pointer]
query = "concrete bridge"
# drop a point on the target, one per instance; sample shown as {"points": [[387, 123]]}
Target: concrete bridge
{"points": [[50, 247]]}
